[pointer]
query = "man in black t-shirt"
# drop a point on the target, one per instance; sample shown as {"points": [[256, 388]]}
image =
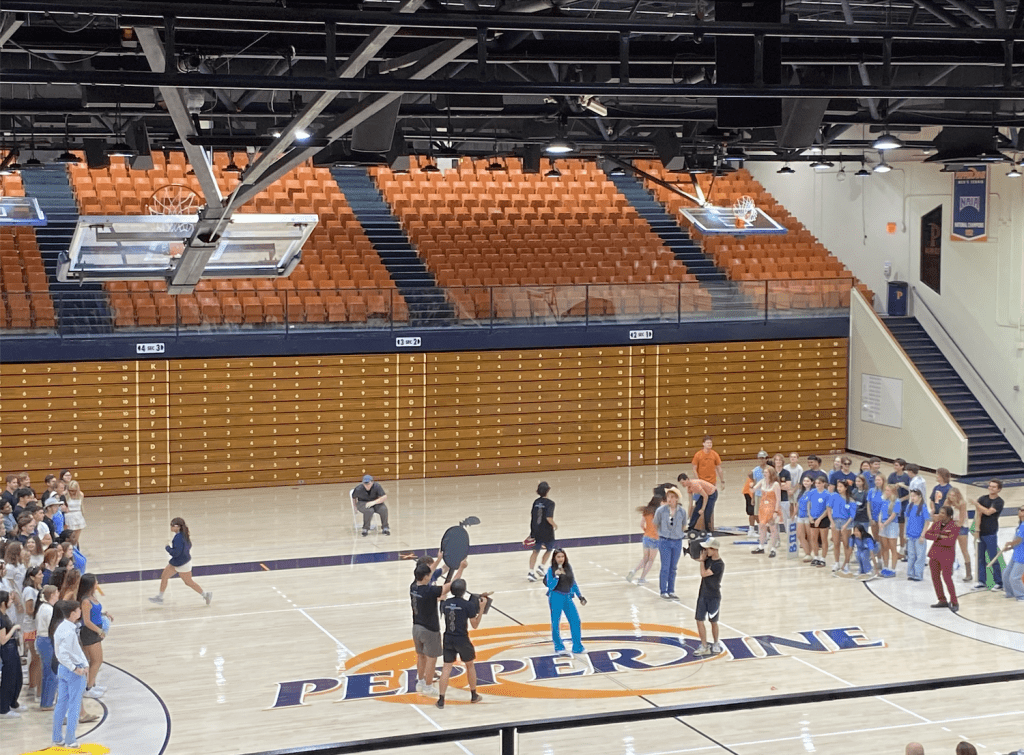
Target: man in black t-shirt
{"points": [[8, 496], [986, 512], [369, 499], [542, 530], [459, 615], [901, 480], [426, 629], [709, 598]]}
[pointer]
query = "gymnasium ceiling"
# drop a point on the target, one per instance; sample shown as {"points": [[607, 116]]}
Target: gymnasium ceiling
{"points": [[620, 78]]}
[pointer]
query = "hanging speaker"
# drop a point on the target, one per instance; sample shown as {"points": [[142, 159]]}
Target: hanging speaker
{"points": [[376, 133], [96, 153]]}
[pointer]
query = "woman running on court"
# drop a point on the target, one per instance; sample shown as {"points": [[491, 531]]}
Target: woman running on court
{"points": [[181, 562]]}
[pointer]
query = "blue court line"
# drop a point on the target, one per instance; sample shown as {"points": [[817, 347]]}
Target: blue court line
{"points": [[349, 559]]}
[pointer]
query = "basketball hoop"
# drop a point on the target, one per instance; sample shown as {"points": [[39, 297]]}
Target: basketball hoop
{"points": [[745, 211], [175, 199]]}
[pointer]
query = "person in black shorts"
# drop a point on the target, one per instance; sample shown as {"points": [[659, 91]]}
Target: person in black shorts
{"points": [[542, 531], [426, 629], [709, 598], [369, 499], [459, 614]]}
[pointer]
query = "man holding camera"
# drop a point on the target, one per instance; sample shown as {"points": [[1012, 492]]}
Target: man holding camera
{"points": [[709, 599]]}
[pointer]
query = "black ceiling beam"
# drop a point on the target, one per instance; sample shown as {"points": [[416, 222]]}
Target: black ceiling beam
{"points": [[469, 87], [143, 11]]}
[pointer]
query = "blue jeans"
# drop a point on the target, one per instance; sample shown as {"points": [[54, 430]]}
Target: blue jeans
{"points": [[669, 550], [917, 551], [44, 646], [561, 603], [707, 505], [70, 688], [988, 547]]}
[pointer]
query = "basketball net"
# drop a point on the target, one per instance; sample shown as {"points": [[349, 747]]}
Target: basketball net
{"points": [[745, 211]]}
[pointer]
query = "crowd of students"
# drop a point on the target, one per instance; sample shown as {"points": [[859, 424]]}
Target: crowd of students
{"points": [[51, 618], [861, 521]]}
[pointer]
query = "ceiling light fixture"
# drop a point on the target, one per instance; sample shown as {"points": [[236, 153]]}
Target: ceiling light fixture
{"points": [[1013, 172], [67, 157], [785, 170], [553, 173], [882, 167], [863, 172], [617, 171], [120, 149], [301, 134], [495, 167], [820, 165], [886, 141], [560, 146], [232, 167]]}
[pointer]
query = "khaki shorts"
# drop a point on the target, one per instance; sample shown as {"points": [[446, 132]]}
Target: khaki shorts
{"points": [[426, 641]]}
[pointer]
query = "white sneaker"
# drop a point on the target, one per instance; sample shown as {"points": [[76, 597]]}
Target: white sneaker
{"points": [[808, 559], [565, 653], [531, 576], [703, 651], [157, 599], [419, 686], [100, 689], [717, 648], [93, 693], [629, 577], [751, 532], [846, 569], [10, 714], [835, 566], [208, 596], [429, 690]]}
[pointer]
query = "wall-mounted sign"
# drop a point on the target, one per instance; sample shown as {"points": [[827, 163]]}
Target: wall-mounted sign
{"points": [[970, 192]]}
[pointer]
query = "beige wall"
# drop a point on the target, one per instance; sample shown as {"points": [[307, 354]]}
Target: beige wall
{"points": [[929, 436]]}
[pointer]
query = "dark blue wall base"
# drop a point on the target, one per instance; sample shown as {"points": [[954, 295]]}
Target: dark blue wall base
{"points": [[242, 343]]}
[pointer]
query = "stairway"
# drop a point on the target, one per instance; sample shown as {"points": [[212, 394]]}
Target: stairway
{"points": [[725, 296], [427, 303], [988, 452], [82, 308]]}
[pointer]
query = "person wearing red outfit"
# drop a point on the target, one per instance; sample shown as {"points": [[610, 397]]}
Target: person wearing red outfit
{"points": [[943, 534]]}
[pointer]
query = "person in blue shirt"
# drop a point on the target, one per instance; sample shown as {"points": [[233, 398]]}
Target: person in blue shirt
{"points": [[867, 550], [1012, 584], [843, 473], [817, 512], [841, 510], [918, 516], [180, 550], [876, 490], [888, 526], [803, 521]]}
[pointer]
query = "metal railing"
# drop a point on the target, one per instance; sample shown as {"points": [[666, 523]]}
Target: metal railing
{"points": [[509, 733], [228, 309]]}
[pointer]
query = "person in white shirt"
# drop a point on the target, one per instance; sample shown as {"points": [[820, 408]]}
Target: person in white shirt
{"points": [[71, 673]]}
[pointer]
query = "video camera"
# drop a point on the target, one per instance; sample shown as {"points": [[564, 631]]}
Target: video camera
{"points": [[694, 539]]}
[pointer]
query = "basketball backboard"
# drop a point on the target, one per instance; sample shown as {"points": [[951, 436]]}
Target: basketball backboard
{"points": [[134, 247], [21, 211], [730, 220]]}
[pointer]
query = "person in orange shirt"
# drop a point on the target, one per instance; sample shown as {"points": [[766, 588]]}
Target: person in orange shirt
{"points": [[650, 541], [700, 490], [707, 465]]}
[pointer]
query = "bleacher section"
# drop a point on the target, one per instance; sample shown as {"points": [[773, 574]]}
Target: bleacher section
{"points": [[785, 259], [510, 245], [340, 280], [26, 301]]}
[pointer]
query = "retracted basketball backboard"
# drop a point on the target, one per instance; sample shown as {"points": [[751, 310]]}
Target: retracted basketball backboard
{"points": [[743, 218], [134, 247], [21, 211]]}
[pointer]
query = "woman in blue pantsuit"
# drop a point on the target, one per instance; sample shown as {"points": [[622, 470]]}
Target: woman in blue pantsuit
{"points": [[562, 588]]}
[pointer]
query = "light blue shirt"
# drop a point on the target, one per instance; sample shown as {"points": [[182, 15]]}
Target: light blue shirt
{"points": [[1018, 551], [662, 518]]}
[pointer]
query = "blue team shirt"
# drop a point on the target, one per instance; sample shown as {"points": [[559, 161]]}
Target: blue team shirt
{"points": [[818, 503], [917, 518], [801, 504], [1018, 552], [887, 508], [876, 501], [902, 483], [840, 507]]}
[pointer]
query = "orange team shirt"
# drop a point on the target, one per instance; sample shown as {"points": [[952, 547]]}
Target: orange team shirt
{"points": [[748, 487], [706, 464], [649, 529]]}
